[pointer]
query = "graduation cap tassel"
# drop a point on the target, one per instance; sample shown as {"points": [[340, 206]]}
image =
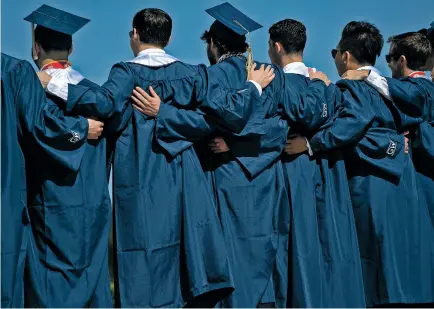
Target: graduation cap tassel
{"points": [[249, 62]]}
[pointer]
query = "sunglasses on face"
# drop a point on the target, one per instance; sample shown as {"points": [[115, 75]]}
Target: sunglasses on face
{"points": [[131, 33], [390, 57], [334, 52]]}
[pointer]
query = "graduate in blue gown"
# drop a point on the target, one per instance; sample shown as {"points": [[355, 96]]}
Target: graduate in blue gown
{"points": [[384, 195], [409, 86], [70, 213], [247, 175], [28, 127], [170, 247], [411, 90], [324, 260]]}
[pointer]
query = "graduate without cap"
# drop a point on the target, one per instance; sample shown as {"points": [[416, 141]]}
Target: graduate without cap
{"points": [[169, 243], [323, 232], [32, 134], [408, 55], [384, 194], [70, 214]]}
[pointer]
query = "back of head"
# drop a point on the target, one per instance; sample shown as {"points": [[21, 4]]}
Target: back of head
{"points": [[51, 40], [225, 40], [363, 40], [290, 33], [429, 33], [414, 46], [154, 27]]}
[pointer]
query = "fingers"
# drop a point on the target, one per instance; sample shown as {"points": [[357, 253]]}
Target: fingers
{"points": [[253, 66], [153, 93], [137, 104], [138, 99], [143, 94], [268, 70]]}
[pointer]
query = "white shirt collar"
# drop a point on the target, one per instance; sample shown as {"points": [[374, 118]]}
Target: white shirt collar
{"points": [[370, 68], [377, 80], [153, 57], [297, 68], [68, 74]]}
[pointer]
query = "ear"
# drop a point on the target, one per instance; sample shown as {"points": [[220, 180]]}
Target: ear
{"points": [[38, 48], [278, 47], [70, 50], [346, 57], [170, 40], [135, 35], [403, 61]]}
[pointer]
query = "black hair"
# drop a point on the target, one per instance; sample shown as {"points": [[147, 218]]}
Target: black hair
{"points": [[154, 26], [429, 33], [363, 40], [414, 46], [51, 40], [225, 40], [290, 33]]}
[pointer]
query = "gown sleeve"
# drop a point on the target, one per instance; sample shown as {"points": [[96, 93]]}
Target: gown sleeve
{"points": [[110, 102], [177, 129], [309, 108], [269, 146], [229, 113], [350, 124], [62, 139]]}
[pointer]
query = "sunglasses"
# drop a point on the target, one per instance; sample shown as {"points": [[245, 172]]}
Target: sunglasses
{"points": [[131, 33], [390, 57], [334, 52]]}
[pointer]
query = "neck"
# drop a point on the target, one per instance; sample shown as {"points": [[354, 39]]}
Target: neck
{"points": [[356, 66], [290, 58], [47, 60], [407, 72], [148, 46]]}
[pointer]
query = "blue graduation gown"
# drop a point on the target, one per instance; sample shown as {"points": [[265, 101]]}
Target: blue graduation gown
{"points": [[420, 91], [249, 190], [71, 216], [28, 127], [324, 259], [251, 196], [170, 247], [393, 228]]}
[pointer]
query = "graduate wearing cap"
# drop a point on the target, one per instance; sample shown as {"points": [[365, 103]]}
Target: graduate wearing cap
{"points": [[385, 201], [70, 213], [32, 134], [247, 175], [323, 251], [170, 247]]}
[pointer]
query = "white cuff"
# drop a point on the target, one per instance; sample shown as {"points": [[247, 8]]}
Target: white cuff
{"points": [[58, 87], [257, 86], [309, 149], [379, 83]]}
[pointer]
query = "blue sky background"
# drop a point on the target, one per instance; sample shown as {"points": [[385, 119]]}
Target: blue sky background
{"points": [[104, 41]]}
